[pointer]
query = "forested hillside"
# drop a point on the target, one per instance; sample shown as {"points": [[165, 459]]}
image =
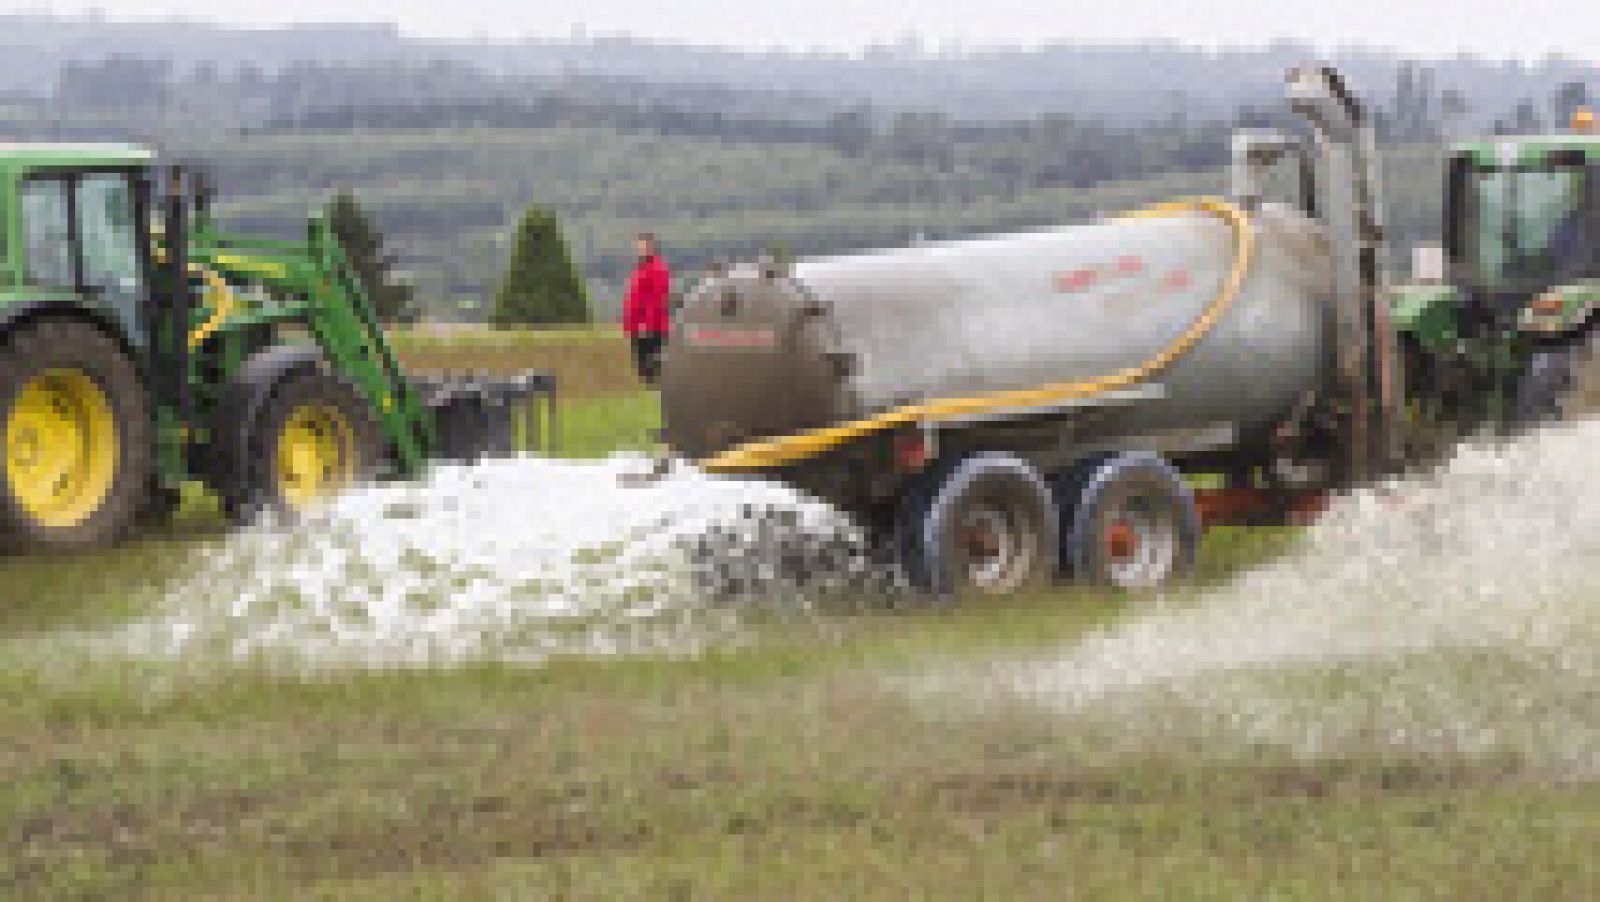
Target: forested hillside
{"points": [[448, 197]]}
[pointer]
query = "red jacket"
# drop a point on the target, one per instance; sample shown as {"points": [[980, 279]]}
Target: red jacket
{"points": [[644, 309]]}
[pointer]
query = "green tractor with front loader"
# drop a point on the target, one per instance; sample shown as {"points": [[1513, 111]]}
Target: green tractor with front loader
{"points": [[141, 348]]}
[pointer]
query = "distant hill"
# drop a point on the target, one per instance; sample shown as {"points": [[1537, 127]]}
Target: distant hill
{"points": [[1119, 84]]}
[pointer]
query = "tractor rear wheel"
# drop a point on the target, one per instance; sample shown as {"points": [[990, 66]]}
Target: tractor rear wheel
{"points": [[74, 438], [314, 437]]}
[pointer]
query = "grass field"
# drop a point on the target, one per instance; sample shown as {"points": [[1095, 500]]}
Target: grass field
{"points": [[603, 408], [783, 771], [586, 362], [794, 767]]}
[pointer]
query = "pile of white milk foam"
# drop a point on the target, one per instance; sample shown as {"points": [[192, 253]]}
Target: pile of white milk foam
{"points": [[1454, 613], [507, 561]]}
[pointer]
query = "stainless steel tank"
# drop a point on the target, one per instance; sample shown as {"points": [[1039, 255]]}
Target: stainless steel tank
{"points": [[758, 355]]}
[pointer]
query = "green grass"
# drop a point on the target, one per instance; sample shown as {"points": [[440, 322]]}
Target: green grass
{"points": [[783, 771], [422, 339], [789, 768], [598, 427]]}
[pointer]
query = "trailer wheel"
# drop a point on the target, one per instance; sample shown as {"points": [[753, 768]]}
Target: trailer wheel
{"points": [[314, 437], [1130, 523], [74, 438], [985, 526]]}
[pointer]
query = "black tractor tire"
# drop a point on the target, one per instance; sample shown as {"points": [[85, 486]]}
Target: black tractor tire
{"points": [[88, 380], [1544, 388], [339, 411], [160, 506], [1585, 398], [1560, 384], [1129, 522], [985, 525]]}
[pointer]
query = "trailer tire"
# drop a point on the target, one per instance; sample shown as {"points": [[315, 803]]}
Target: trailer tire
{"points": [[75, 445], [986, 525], [313, 436], [1130, 522]]}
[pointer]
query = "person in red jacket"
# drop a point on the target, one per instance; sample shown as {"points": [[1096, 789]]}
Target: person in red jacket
{"points": [[645, 317]]}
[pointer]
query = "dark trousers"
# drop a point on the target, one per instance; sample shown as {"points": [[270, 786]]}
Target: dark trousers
{"points": [[647, 355]]}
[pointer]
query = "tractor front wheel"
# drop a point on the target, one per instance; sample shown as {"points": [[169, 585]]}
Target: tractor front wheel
{"points": [[314, 437], [1560, 384], [74, 438]]}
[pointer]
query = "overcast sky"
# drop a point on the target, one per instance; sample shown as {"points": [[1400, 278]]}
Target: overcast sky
{"points": [[1436, 27]]}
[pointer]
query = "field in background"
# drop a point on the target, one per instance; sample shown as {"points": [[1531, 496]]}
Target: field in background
{"points": [[587, 362], [602, 406]]}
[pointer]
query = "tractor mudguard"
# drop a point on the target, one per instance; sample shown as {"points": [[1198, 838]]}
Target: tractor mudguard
{"points": [[12, 315]]}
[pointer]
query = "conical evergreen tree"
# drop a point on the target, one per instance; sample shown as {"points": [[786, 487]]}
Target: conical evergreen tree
{"points": [[542, 286]]}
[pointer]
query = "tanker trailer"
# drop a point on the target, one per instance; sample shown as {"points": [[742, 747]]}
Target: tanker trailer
{"points": [[1001, 409]]}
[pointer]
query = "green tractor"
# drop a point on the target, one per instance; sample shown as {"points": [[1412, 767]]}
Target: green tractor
{"points": [[1498, 330], [141, 349]]}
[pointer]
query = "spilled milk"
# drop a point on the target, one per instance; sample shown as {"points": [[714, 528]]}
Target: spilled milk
{"points": [[505, 561], [1453, 613]]}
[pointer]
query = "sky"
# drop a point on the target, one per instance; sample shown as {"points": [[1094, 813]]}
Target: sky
{"points": [[1527, 30]]}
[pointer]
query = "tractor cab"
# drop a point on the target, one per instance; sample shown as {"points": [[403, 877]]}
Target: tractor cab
{"points": [[75, 228], [1495, 333], [1522, 232]]}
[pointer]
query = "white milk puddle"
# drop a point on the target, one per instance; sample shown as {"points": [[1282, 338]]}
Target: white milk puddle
{"points": [[506, 561], [1456, 613]]}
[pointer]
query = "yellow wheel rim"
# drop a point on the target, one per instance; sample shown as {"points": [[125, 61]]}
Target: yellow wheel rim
{"points": [[316, 455], [61, 448]]}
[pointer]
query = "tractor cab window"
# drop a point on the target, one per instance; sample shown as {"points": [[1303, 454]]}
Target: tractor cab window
{"points": [[82, 234], [1528, 227], [112, 263], [47, 232]]}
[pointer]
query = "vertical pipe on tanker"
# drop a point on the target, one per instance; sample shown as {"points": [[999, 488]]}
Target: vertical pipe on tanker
{"points": [[1388, 375], [1348, 201]]}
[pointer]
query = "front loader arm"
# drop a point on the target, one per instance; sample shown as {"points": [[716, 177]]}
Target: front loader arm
{"points": [[312, 284]]}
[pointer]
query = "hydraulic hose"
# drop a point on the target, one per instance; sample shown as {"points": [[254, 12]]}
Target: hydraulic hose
{"points": [[772, 453], [227, 301]]}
